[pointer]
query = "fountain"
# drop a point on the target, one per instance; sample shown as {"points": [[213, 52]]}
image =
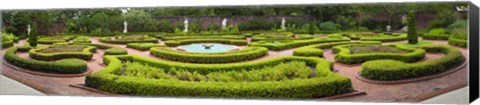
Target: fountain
{"points": [[207, 46], [224, 24], [185, 24], [283, 24]]}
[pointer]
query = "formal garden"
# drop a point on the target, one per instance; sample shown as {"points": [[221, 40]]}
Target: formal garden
{"points": [[368, 52]]}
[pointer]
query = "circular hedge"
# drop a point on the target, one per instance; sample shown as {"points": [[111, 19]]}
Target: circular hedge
{"points": [[71, 65], [86, 53], [224, 57], [343, 54], [324, 83], [174, 43], [398, 70]]}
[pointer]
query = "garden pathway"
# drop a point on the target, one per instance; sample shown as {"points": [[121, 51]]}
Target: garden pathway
{"points": [[405, 92]]}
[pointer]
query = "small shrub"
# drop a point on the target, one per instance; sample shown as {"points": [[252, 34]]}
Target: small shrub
{"points": [[329, 26]]}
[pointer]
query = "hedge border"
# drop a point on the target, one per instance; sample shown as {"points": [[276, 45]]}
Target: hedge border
{"points": [[7, 44], [109, 50], [111, 41], [296, 43], [343, 54], [326, 83], [436, 37], [316, 50], [139, 46], [174, 43], [385, 39], [183, 37], [458, 42], [86, 54], [248, 53], [64, 66], [376, 70]]}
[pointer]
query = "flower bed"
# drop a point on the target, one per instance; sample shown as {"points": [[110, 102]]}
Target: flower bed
{"points": [[59, 66], [224, 57], [397, 70], [344, 54], [316, 49], [57, 52], [324, 83]]}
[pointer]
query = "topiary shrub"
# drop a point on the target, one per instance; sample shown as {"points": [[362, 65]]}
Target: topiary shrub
{"points": [[412, 28], [397, 70], [329, 26]]}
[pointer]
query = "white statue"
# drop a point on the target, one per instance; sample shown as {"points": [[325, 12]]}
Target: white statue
{"points": [[185, 24], [29, 29], [224, 24], [283, 24], [125, 24], [389, 28]]}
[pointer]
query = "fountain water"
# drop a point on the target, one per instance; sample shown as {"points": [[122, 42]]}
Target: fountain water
{"points": [[185, 24], [283, 24], [224, 24]]}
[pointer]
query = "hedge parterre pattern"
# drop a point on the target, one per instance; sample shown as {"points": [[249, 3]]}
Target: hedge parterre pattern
{"points": [[55, 39], [129, 39], [174, 43], [385, 38], [325, 83], [316, 49], [183, 37], [143, 46], [296, 43], [109, 50], [398, 70], [344, 55], [68, 66], [85, 54], [224, 57]]}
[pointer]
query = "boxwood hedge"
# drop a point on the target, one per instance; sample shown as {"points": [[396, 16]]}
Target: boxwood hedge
{"points": [[55, 39], [6, 44], [343, 54], [183, 37], [71, 65], [457, 42], [397, 70], [129, 39], [436, 34], [326, 83], [296, 43], [86, 54], [225, 57], [316, 49], [291, 37], [143, 46], [385, 38], [109, 50], [173, 43]]}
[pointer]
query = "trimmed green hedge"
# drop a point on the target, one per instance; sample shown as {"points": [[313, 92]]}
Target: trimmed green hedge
{"points": [[436, 34], [457, 42], [86, 54], [225, 57], [6, 44], [326, 83], [385, 38], [296, 43], [397, 70], [59, 66], [174, 43], [343, 54], [122, 40], [316, 50], [82, 40], [183, 37], [292, 37], [109, 50], [143, 46], [52, 39]]}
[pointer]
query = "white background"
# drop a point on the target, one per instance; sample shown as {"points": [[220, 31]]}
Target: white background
{"points": [[76, 100]]}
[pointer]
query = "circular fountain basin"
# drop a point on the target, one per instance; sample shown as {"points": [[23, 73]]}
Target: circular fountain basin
{"points": [[207, 47]]}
